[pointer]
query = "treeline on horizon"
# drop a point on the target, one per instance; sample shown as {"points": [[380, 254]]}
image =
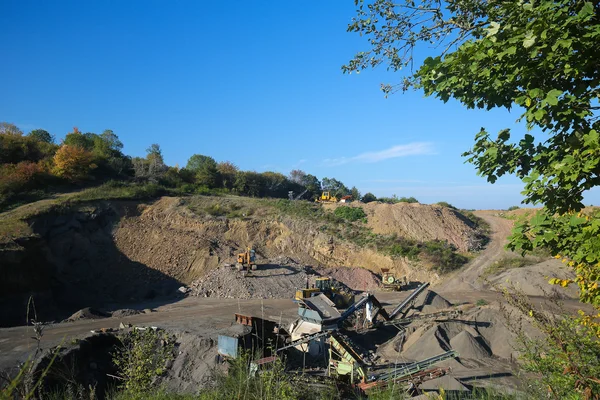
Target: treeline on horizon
{"points": [[33, 165]]}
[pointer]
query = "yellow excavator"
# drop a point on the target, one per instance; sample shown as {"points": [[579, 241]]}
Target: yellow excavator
{"points": [[326, 197], [325, 285], [247, 260]]}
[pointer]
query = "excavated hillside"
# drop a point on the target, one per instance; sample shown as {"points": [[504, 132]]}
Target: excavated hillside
{"points": [[111, 253], [421, 222]]}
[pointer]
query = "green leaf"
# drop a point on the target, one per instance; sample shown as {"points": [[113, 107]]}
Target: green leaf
{"points": [[529, 40], [587, 9], [552, 96], [493, 28]]}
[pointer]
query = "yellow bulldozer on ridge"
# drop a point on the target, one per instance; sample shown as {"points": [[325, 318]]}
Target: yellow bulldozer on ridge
{"points": [[326, 197]]}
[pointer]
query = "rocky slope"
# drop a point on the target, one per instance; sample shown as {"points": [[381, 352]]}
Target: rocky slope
{"points": [[113, 253]]}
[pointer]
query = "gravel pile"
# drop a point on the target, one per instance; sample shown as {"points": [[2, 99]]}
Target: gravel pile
{"points": [[270, 280], [87, 313]]}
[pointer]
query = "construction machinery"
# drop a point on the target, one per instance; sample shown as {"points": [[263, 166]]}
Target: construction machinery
{"points": [[327, 197], [246, 261], [326, 285], [390, 282]]}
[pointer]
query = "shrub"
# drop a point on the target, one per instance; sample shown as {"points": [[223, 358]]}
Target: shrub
{"points": [[215, 210], [351, 213], [564, 363], [512, 208], [407, 200], [443, 256], [507, 263], [368, 197], [446, 204], [142, 358]]}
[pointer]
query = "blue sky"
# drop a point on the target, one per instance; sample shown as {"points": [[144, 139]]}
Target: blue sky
{"points": [[256, 83]]}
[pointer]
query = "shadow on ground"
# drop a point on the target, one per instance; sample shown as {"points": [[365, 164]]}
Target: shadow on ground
{"points": [[72, 262]]}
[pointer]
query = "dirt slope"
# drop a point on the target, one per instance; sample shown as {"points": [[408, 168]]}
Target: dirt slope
{"points": [[421, 222], [531, 279]]}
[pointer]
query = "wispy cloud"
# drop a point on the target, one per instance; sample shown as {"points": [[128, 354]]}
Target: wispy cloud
{"points": [[299, 163], [403, 150]]}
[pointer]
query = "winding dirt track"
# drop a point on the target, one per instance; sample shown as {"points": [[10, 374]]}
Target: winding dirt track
{"points": [[468, 278]]}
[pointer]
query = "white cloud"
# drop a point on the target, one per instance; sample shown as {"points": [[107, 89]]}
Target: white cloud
{"points": [[299, 163], [403, 150]]}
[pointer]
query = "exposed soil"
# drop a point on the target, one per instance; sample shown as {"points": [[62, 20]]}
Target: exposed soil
{"points": [[421, 222]]}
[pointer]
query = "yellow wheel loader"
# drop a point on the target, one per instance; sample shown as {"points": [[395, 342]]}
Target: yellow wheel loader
{"points": [[247, 261]]}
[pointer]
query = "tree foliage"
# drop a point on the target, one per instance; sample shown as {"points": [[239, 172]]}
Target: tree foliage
{"points": [[73, 163], [368, 197], [41, 135], [336, 187], [197, 161], [6, 128], [538, 57], [355, 193], [227, 171]]}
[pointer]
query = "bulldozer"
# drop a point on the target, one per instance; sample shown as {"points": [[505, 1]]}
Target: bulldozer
{"points": [[326, 197], [246, 261], [326, 285], [390, 282]]}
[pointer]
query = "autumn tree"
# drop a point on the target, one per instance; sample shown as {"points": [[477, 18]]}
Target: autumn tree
{"points": [[227, 171], [73, 163]]}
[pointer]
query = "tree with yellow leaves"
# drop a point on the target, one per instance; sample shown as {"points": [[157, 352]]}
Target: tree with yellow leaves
{"points": [[73, 163]]}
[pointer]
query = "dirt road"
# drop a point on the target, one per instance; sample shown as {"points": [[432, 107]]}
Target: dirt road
{"points": [[469, 277]]}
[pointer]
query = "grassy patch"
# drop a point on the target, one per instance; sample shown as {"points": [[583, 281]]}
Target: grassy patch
{"points": [[120, 190], [351, 213], [479, 223], [13, 223], [446, 204], [508, 262]]}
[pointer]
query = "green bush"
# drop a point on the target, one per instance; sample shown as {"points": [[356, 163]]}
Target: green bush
{"points": [[405, 248], [446, 204], [216, 210], [351, 213], [143, 357], [407, 200], [443, 256], [368, 197], [512, 208]]}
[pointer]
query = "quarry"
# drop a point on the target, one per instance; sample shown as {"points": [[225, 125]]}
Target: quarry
{"points": [[93, 271]]}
